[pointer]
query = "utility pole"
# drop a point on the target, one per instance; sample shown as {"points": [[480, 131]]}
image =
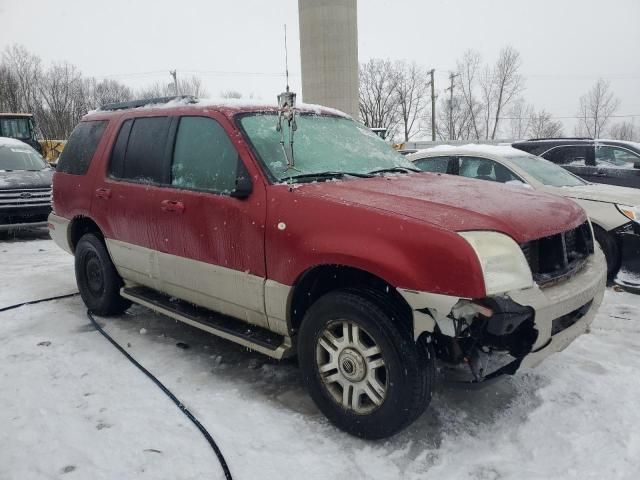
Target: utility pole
{"points": [[173, 73], [433, 106], [452, 76]]}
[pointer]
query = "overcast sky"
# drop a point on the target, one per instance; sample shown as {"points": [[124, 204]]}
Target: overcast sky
{"points": [[565, 44]]}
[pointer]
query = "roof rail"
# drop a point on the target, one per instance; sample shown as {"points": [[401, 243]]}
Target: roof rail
{"points": [[145, 102], [559, 138]]}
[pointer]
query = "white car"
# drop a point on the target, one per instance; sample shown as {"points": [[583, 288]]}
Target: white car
{"points": [[614, 211]]}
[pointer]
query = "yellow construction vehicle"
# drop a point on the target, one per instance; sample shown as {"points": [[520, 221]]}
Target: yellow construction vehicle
{"points": [[22, 127]]}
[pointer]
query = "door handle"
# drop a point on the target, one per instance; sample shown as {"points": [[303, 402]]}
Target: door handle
{"points": [[172, 206], [104, 193]]}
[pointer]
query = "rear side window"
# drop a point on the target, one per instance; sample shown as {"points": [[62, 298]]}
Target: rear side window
{"points": [[570, 155], [204, 157], [81, 146], [433, 164], [139, 153]]}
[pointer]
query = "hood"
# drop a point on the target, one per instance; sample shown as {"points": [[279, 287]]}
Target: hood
{"points": [[600, 192], [457, 204], [25, 179]]}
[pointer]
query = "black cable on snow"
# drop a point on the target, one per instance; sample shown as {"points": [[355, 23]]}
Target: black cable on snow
{"points": [[33, 302], [160, 385], [183, 409]]}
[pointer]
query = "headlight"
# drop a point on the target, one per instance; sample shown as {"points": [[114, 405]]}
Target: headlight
{"points": [[503, 264], [630, 212]]}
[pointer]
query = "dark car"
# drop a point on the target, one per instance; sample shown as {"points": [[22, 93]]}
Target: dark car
{"points": [[25, 186], [614, 162]]}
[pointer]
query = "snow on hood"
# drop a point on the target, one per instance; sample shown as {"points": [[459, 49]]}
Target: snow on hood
{"points": [[26, 179], [458, 204], [602, 193], [12, 142]]}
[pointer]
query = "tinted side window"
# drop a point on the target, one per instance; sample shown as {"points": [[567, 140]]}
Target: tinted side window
{"points": [[433, 164], [572, 155], [79, 150], [204, 157], [139, 153], [485, 169]]}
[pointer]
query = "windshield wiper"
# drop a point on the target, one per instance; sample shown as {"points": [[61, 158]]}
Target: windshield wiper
{"points": [[395, 170], [327, 175]]}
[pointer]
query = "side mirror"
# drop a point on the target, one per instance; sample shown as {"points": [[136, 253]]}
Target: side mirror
{"points": [[244, 187]]}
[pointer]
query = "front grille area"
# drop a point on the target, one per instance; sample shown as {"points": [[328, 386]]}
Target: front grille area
{"points": [[27, 197], [558, 256]]}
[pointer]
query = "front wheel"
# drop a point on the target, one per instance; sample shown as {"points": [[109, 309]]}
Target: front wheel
{"points": [[97, 278], [361, 365]]}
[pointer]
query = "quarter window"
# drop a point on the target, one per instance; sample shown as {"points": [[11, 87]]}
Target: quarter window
{"points": [[204, 157], [79, 150]]}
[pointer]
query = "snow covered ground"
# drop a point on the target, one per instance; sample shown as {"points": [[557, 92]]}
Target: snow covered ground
{"points": [[72, 407]]}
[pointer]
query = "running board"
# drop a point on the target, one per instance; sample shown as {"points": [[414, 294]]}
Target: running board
{"points": [[250, 336]]}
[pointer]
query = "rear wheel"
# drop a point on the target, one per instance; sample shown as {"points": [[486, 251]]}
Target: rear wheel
{"points": [[97, 278], [361, 365], [610, 249]]}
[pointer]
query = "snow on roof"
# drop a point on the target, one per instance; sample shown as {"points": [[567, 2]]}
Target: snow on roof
{"points": [[502, 150], [237, 103]]}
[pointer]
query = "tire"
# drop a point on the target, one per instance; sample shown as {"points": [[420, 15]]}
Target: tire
{"points": [[381, 400], [611, 251], [97, 278]]}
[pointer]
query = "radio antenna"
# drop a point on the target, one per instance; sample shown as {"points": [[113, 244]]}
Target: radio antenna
{"points": [[286, 56]]}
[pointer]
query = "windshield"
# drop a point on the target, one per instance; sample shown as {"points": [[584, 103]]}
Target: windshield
{"points": [[546, 172], [321, 144], [18, 157], [15, 128]]}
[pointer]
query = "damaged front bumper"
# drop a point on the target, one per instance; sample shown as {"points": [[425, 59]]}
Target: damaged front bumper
{"points": [[628, 239], [485, 338]]}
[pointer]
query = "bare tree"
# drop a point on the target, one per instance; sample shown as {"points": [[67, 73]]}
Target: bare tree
{"points": [[230, 94], [412, 97], [624, 131], [543, 126], [378, 99], [26, 73], [468, 68], [107, 91], [520, 117], [596, 108], [192, 86], [500, 85], [62, 105]]}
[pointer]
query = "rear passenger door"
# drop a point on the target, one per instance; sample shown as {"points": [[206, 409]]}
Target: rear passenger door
{"points": [[212, 248], [126, 199]]}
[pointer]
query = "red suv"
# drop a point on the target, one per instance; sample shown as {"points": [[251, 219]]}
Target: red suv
{"points": [[302, 232]]}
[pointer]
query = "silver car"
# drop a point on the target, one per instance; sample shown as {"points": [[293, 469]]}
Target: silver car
{"points": [[614, 211]]}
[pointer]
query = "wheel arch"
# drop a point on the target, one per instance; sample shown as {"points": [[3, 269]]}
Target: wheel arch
{"points": [[322, 279], [80, 226]]}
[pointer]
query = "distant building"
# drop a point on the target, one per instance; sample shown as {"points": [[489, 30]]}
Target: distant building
{"points": [[329, 51]]}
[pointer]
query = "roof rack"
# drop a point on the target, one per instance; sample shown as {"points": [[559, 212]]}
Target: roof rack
{"points": [[145, 102], [559, 138]]}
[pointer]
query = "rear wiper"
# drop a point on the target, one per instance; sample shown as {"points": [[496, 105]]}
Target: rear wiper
{"points": [[327, 175], [395, 170]]}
